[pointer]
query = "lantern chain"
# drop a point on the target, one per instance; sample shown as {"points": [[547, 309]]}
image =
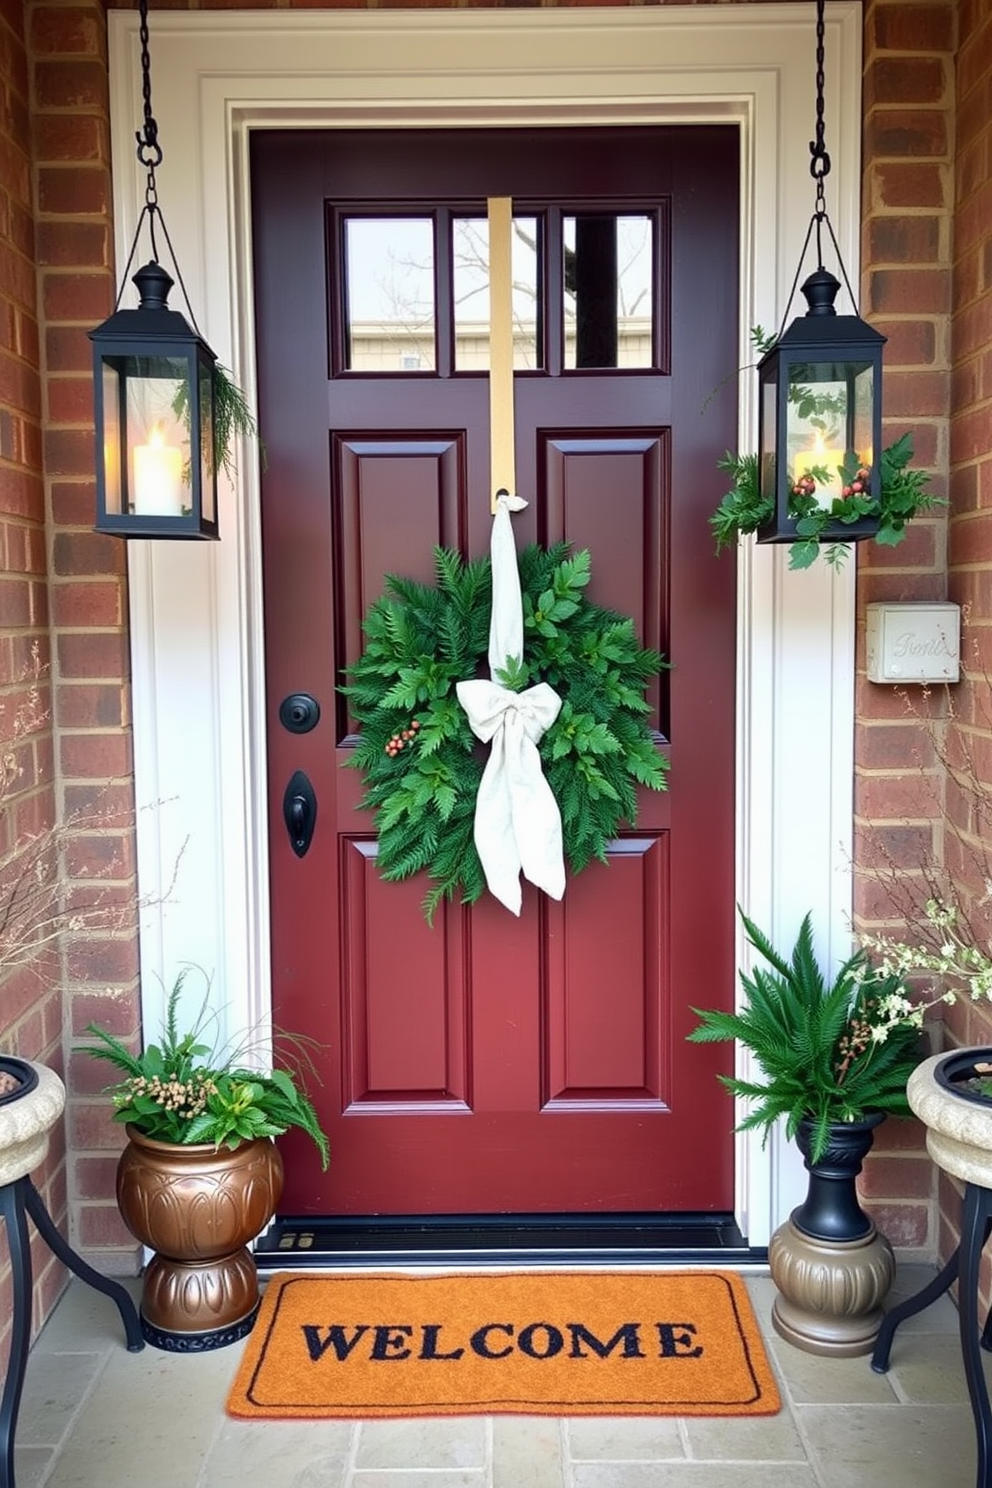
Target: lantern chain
{"points": [[819, 165], [149, 150]]}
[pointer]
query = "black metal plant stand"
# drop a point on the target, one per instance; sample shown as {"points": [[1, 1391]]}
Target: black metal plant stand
{"points": [[38, 1097], [976, 1225], [17, 1201]]}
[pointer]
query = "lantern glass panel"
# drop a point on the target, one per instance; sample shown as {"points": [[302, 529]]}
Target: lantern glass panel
{"points": [[112, 436], [158, 436], [208, 473], [768, 466], [825, 423]]}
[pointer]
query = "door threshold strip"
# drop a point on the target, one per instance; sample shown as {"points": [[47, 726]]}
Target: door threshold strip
{"points": [[500, 1240]]}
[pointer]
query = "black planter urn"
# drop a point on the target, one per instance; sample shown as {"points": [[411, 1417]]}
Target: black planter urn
{"points": [[829, 1262]]}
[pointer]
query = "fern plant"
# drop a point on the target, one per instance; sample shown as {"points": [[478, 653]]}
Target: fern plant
{"points": [[181, 1090], [830, 1052]]}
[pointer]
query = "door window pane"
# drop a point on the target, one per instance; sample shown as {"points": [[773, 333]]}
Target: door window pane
{"points": [[608, 294], [470, 277], [389, 294]]}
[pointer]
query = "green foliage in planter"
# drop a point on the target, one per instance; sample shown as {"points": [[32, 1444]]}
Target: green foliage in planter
{"points": [[832, 1052], [182, 1091]]}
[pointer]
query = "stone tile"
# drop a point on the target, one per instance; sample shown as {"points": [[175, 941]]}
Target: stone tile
{"points": [[929, 1371], [900, 1446], [278, 1453], [526, 1452], [31, 1465], [149, 1407], [54, 1387], [425, 1441], [696, 1475], [811, 1379], [762, 1291], [85, 1320], [410, 1480], [940, 1317], [744, 1438], [624, 1439]]}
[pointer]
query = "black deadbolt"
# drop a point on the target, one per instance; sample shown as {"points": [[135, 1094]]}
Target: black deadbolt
{"points": [[299, 712]]}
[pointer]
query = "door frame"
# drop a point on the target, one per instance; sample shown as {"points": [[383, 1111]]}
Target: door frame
{"points": [[196, 609]]}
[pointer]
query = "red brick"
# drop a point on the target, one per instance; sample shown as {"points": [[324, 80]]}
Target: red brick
{"points": [[910, 291], [75, 189], [893, 746], [70, 244], [84, 297], [897, 1178], [95, 756], [969, 435], [75, 137], [916, 394], [887, 797], [913, 240], [72, 29], [79, 84], [96, 653], [91, 602], [101, 1225], [74, 504], [905, 80], [68, 349], [904, 1225], [70, 400], [96, 1177], [115, 1010], [902, 132], [69, 452], [910, 343], [914, 28], [99, 962], [87, 554]]}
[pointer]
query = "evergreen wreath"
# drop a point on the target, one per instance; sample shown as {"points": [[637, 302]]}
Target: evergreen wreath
{"points": [[421, 761]]}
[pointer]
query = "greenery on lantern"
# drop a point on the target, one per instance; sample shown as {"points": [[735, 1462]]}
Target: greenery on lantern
{"points": [[232, 416], [830, 1052], [421, 762], [903, 492], [903, 495]]}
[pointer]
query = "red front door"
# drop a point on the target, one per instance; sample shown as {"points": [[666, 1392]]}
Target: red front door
{"points": [[496, 1065]]}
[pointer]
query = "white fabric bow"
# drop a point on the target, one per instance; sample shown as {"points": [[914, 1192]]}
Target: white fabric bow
{"points": [[517, 821]]}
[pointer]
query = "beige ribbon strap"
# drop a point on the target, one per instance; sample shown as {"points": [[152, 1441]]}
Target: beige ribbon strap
{"points": [[502, 461]]}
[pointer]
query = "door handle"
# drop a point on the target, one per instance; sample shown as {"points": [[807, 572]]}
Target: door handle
{"points": [[299, 809]]}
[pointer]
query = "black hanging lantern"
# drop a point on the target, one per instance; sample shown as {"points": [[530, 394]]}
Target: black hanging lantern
{"points": [[820, 403], [154, 391]]}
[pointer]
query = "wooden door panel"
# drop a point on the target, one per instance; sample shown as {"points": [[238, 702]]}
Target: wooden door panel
{"points": [[494, 1064], [607, 1050], [398, 498], [402, 1046]]}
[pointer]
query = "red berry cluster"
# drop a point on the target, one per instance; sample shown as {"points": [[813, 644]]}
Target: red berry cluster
{"points": [[406, 736], [859, 483], [805, 486]]}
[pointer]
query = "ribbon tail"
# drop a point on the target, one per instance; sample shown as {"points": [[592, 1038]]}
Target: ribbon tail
{"points": [[495, 840], [537, 826]]}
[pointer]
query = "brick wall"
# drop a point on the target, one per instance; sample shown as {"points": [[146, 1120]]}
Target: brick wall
{"points": [[970, 528], [90, 663], [30, 1005], [907, 198]]}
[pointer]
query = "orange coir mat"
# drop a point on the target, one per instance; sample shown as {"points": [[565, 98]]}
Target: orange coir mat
{"points": [[678, 1343]]}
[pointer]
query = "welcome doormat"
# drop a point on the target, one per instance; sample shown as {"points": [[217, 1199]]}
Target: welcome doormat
{"points": [[680, 1343]]}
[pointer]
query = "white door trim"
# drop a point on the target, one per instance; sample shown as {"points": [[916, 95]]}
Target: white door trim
{"points": [[196, 609]]}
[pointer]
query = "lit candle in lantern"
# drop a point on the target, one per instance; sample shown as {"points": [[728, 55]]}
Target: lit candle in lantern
{"points": [[832, 459], [158, 478]]}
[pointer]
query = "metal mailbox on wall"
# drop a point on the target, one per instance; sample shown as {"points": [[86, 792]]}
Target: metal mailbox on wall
{"points": [[913, 642]]}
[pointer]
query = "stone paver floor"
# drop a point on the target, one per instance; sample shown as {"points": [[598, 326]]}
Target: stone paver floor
{"points": [[94, 1416]]}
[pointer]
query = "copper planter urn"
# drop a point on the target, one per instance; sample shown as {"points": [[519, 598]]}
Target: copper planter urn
{"points": [[198, 1207]]}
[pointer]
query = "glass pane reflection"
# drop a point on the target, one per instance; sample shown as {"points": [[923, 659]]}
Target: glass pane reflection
{"points": [[609, 281], [470, 273], [389, 294]]}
